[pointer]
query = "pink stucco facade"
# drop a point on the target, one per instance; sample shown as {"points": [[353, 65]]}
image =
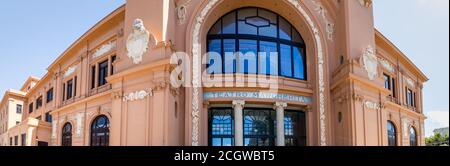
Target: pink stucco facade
{"points": [[348, 102]]}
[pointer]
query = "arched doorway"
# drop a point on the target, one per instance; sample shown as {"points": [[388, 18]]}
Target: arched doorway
{"points": [[204, 19], [66, 139], [392, 134], [412, 137]]}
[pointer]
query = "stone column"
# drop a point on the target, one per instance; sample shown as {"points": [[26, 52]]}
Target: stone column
{"points": [[238, 106], [279, 107]]}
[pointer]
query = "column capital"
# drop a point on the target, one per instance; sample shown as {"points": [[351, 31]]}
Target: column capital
{"points": [[280, 105], [238, 103]]}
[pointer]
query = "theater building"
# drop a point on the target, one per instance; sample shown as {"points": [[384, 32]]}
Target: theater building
{"points": [[336, 80]]}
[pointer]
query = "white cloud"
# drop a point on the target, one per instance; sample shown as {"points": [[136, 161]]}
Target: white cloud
{"points": [[436, 119]]}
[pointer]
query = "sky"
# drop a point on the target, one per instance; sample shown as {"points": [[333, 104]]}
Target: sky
{"points": [[420, 29], [34, 33]]}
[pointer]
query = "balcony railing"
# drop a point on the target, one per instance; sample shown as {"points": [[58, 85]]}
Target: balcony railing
{"points": [[68, 101], [100, 89], [392, 99]]}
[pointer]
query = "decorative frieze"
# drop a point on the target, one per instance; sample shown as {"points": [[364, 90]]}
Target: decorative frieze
{"points": [[410, 82], [257, 95], [386, 65], [329, 25], [406, 126], [70, 70], [104, 49], [365, 3], [372, 105], [138, 95], [182, 12]]}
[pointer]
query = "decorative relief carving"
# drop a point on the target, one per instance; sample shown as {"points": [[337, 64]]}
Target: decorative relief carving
{"points": [[370, 61], [120, 32], [116, 95], [182, 12], [329, 25], [104, 49], [138, 95], [138, 41], [175, 92], [406, 125], [365, 3], [80, 122], [54, 131], [410, 82], [160, 85], [372, 105], [386, 65], [357, 97], [70, 70]]}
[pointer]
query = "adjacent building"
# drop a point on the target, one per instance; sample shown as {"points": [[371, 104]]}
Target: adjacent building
{"points": [[332, 79]]}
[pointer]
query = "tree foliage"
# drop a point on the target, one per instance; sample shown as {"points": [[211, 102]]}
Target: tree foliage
{"points": [[437, 140]]}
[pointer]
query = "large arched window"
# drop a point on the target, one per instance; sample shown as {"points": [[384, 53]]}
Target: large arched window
{"points": [[268, 43], [392, 134], [412, 136], [100, 131], [221, 127], [66, 139]]}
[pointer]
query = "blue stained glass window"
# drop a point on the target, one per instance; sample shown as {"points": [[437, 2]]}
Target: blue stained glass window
{"points": [[215, 46], [268, 58], [299, 68], [249, 30], [229, 47], [247, 59], [229, 23]]}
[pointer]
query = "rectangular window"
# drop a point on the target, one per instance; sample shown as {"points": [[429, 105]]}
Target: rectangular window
{"points": [[409, 98], [23, 138], [30, 108], [16, 140], [50, 95], [387, 81], [10, 141], [69, 89], [48, 117], [39, 103], [394, 88], [19, 108], [93, 77], [103, 73]]}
